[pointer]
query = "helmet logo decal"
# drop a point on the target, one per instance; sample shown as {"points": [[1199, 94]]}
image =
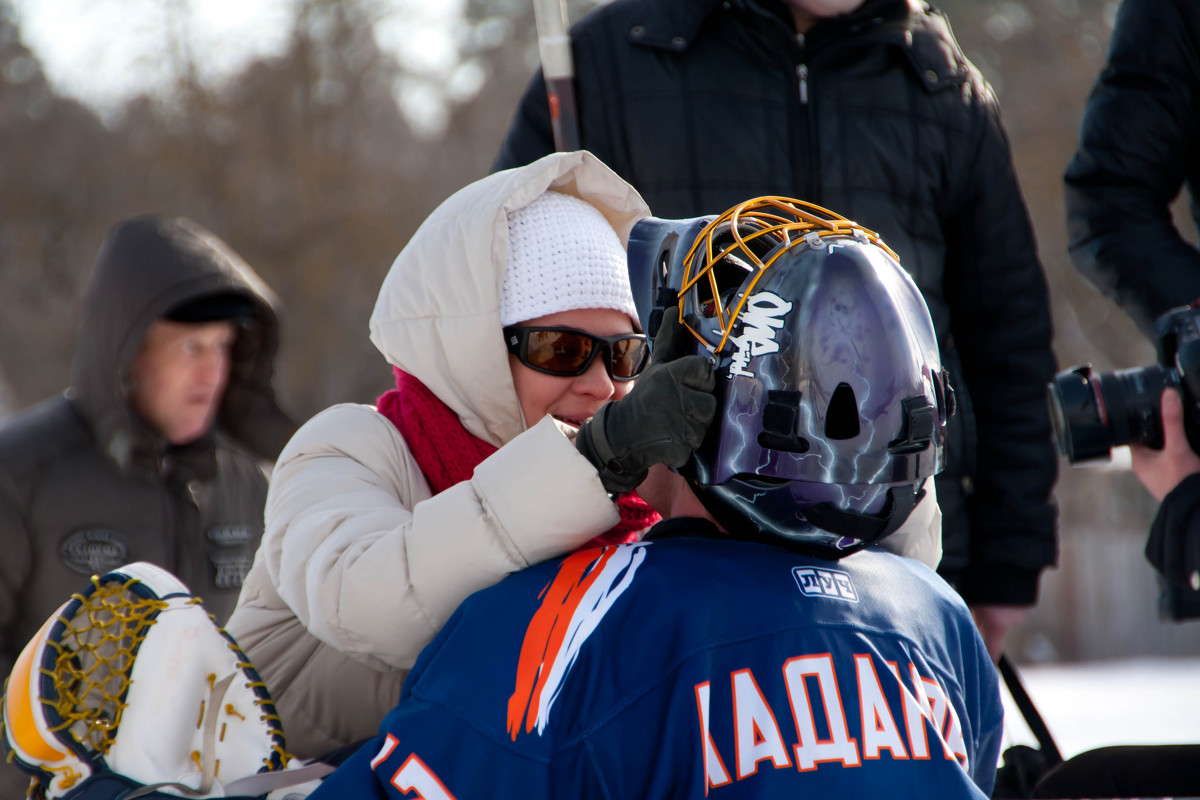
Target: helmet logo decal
{"points": [[763, 315]]}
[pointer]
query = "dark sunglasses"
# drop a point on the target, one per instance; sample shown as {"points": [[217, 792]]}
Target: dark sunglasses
{"points": [[568, 352]]}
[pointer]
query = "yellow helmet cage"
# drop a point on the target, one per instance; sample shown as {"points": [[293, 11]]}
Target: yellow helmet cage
{"points": [[754, 234]]}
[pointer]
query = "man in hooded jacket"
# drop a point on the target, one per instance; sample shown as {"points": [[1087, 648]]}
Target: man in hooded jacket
{"points": [[871, 108], [157, 452]]}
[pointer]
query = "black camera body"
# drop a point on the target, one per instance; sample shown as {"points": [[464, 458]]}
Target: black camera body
{"points": [[1095, 412]]}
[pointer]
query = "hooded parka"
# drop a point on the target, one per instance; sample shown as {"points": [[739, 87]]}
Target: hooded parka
{"points": [[361, 565], [86, 485], [877, 115]]}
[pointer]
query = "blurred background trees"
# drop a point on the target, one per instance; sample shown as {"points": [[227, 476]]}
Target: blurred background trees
{"points": [[317, 165]]}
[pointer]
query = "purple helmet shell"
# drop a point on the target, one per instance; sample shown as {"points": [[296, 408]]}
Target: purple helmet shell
{"points": [[832, 400]]}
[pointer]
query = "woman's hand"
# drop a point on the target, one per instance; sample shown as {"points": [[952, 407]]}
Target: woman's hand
{"points": [[662, 420]]}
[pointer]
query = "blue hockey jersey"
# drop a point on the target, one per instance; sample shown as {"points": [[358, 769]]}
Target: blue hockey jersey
{"points": [[695, 667]]}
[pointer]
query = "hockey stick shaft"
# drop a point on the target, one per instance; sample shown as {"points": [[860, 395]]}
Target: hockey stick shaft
{"points": [[1029, 711], [554, 47]]}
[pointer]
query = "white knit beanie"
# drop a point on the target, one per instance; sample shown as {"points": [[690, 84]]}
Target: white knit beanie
{"points": [[562, 255]]}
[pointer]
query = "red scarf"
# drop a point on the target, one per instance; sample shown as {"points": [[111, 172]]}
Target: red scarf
{"points": [[447, 453]]}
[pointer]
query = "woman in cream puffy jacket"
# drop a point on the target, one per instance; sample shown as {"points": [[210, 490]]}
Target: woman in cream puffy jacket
{"points": [[361, 563]]}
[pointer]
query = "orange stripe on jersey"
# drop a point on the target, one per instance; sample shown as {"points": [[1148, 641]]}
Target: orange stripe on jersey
{"points": [[547, 629]]}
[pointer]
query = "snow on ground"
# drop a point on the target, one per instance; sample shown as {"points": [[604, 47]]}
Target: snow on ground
{"points": [[1094, 704]]}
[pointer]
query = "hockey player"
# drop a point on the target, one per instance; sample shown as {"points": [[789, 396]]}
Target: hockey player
{"points": [[757, 643]]}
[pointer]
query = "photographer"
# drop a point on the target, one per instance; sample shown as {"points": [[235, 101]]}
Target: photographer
{"points": [[1153, 409], [1172, 475], [1136, 150]]}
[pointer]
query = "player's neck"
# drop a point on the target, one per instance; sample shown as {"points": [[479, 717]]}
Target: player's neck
{"points": [[684, 503]]}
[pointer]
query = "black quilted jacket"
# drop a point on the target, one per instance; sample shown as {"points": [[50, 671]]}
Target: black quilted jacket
{"points": [[1139, 143], [701, 104]]}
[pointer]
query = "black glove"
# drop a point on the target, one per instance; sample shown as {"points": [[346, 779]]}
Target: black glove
{"points": [[661, 421]]}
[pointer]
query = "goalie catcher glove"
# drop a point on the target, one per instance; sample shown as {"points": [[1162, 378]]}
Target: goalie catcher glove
{"points": [[131, 690]]}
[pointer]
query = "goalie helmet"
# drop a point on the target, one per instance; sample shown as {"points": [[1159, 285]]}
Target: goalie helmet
{"points": [[131, 690], [832, 402]]}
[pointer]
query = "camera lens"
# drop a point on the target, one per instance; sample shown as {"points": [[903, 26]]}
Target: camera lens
{"points": [[1132, 397], [1077, 413], [1094, 412]]}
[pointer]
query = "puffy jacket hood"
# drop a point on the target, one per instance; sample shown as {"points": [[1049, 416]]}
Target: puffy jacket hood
{"points": [[147, 266], [438, 313]]}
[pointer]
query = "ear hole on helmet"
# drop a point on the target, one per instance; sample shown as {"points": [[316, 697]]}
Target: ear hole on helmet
{"points": [[841, 419]]}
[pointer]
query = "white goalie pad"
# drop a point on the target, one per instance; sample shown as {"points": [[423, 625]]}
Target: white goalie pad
{"points": [[133, 678]]}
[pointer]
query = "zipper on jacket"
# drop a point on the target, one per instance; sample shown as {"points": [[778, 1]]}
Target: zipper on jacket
{"points": [[802, 71], [190, 542], [807, 175], [171, 523]]}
